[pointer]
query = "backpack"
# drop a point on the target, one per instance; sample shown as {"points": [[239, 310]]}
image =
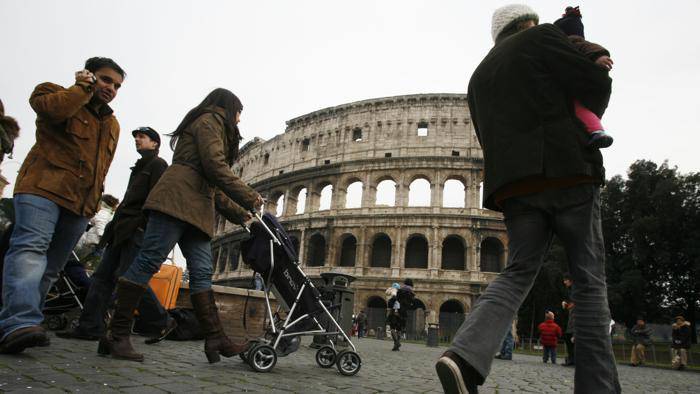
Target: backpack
{"points": [[188, 328]]}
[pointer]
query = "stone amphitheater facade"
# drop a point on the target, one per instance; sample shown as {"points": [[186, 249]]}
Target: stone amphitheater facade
{"points": [[393, 144]]}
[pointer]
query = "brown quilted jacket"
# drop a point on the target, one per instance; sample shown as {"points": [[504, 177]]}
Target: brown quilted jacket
{"points": [[200, 180], [73, 150]]}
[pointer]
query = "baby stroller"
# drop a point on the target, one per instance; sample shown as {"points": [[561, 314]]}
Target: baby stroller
{"points": [[63, 303], [270, 252]]}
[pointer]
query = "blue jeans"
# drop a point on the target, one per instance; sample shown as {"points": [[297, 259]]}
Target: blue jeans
{"points": [[162, 233], [549, 353], [573, 214], [42, 239], [508, 345]]}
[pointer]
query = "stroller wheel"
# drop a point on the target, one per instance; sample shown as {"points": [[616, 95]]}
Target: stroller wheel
{"points": [[325, 357], [244, 355], [56, 322], [262, 358], [348, 362]]}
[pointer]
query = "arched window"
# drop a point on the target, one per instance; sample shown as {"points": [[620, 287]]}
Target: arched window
{"points": [[451, 318], [376, 312], [234, 253], [416, 252], [353, 197], [280, 206], [491, 255], [316, 251], [386, 193], [419, 193], [381, 251], [326, 197], [453, 253], [301, 201], [348, 251], [453, 194]]}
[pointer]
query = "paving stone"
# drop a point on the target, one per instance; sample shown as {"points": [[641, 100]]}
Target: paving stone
{"points": [[73, 366]]}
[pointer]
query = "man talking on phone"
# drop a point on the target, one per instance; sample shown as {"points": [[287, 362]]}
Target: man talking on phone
{"points": [[57, 190]]}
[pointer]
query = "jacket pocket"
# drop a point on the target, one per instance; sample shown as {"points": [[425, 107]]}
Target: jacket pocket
{"points": [[79, 127], [58, 181]]}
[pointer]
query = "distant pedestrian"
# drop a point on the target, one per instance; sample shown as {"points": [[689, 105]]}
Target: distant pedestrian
{"points": [[509, 342], [568, 306], [403, 303], [361, 320], [680, 338], [57, 191], [641, 338], [550, 332]]}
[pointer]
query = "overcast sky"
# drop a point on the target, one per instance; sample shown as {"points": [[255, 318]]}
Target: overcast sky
{"points": [[289, 58]]}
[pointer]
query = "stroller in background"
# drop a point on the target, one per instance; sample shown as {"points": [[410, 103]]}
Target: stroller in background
{"points": [[63, 303], [270, 252]]}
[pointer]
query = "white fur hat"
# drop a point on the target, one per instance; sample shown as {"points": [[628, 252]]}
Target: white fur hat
{"points": [[509, 14]]}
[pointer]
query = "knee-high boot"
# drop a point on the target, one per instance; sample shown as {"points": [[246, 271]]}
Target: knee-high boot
{"points": [[216, 342], [117, 339]]}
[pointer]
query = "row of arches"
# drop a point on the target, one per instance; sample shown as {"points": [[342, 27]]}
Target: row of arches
{"points": [[451, 315], [356, 195], [416, 255]]}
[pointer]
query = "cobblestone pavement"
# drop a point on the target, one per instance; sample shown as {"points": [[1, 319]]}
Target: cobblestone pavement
{"points": [[71, 365]]}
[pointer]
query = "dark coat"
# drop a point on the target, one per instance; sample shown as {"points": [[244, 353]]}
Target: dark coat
{"points": [[680, 335], [550, 332], [521, 101], [73, 151], [200, 178], [641, 335], [129, 216]]}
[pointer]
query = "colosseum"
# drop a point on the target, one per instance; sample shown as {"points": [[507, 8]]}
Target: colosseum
{"points": [[381, 189]]}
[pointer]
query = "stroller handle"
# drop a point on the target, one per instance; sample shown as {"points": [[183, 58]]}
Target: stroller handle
{"points": [[269, 231]]}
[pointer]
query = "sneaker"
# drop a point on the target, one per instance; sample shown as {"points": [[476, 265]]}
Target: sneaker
{"points": [[23, 338], [600, 139], [456, 376]]}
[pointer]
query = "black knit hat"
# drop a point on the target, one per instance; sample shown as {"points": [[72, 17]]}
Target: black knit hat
{"points": [[152, 134], [571, 22]]}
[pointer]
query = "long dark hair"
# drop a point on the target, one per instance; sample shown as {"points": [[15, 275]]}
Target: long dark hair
{"points": [[223, 99]]}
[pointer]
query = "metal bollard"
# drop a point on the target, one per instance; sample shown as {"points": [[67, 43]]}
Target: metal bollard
{"points": [[432, 339]]}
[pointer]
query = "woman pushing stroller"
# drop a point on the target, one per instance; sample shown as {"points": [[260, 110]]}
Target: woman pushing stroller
{"points": [[181, 211]]}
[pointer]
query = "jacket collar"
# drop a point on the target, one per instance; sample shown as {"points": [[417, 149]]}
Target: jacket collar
{"points": [[104, 111], [146, 157]]}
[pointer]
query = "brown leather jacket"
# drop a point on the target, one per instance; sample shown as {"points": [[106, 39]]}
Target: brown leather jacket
{"points": [[200, 180], [73, 151]]}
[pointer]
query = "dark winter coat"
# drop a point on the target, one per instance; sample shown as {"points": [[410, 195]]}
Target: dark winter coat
{"points": [[680, 335], [521, 102], [129, 216], [200, 179], [550, 332], [73, 151], [641, 335]]}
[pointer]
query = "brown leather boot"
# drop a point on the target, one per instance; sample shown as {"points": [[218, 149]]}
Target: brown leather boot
{"points": [[216, 342], [117, 339]]}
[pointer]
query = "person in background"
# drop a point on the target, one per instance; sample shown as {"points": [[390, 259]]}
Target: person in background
{"points": [[57, 191], [680, 342], [550, 332], [641, 338], [568, 306], [121, 241], [509, 341], [361, 324]]}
